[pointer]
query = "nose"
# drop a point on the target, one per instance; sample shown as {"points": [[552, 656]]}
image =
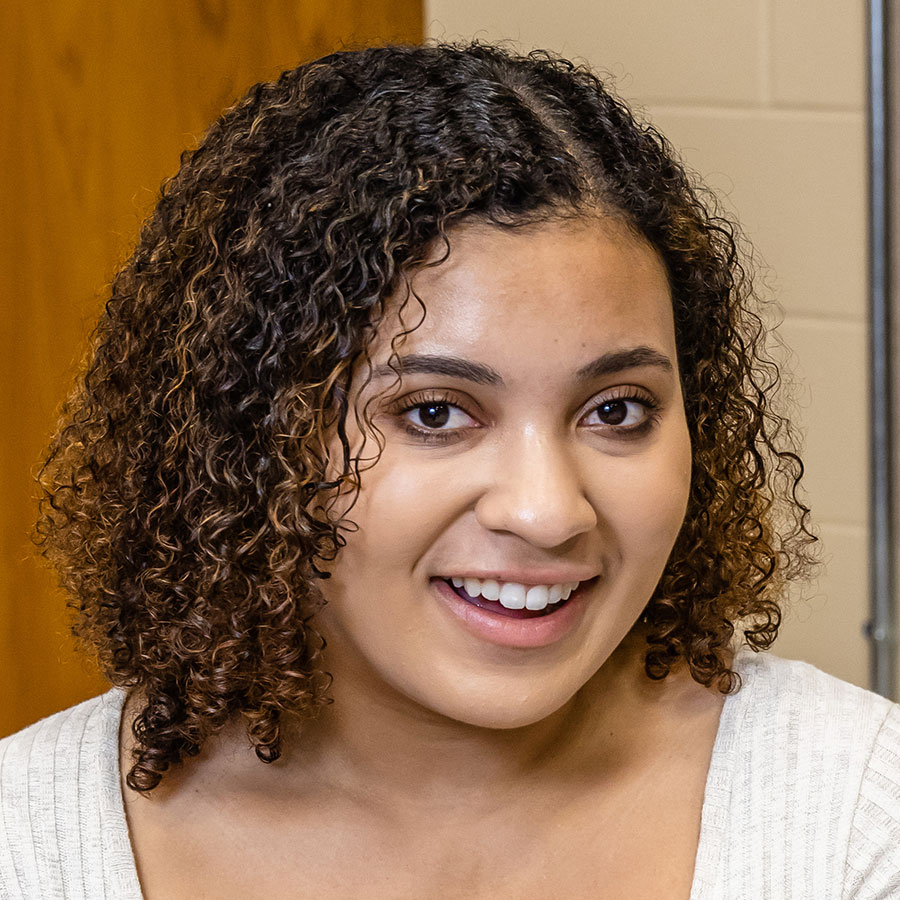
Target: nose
{"points": [[537, 492]]}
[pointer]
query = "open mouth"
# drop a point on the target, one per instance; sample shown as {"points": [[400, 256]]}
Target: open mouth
{"points": [[514, 601]]}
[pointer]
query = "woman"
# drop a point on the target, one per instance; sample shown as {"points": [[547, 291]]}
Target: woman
{"points": [[418, 498]]}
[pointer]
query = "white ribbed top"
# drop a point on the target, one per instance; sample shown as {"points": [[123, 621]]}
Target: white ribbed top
{"points": [[802, 797], [803, 792]]}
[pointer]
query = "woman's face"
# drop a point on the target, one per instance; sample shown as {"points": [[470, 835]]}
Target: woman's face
{"points": [[536, 441]]}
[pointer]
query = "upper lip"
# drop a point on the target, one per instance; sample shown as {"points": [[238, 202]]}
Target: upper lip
{"points": [[531, 577]]}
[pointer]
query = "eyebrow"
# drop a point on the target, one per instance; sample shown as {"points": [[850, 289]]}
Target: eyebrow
{"points": [[479, 373], [619, 360]]}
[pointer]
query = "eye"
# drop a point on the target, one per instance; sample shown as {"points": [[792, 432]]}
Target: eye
{"points": [[620, 412], [628, 413], [434, 417], [438, 415]]}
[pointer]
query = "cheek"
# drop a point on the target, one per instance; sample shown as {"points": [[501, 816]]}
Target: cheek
{"points": [[651, 500], [401, 510]]}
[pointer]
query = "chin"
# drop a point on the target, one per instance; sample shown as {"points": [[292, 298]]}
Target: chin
{"points": [[501, 709]]}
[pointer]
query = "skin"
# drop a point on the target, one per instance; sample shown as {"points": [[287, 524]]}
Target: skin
{"points": [[450, 765]]}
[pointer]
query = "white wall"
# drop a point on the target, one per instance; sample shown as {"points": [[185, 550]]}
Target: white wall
{"points": [[765, 99]]}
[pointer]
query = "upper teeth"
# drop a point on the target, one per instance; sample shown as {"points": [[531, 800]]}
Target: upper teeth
{"points": [[513, 595]]}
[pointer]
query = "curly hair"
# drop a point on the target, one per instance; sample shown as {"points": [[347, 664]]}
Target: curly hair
{"points": [[178, 494]]}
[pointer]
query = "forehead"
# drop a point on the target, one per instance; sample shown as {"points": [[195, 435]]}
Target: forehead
{"points": [[576, 287]]}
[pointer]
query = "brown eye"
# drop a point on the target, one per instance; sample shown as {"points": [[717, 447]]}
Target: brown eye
{"points": [[437, 415], [613, 412], [434, 418], [622, 413], [433, 415]]}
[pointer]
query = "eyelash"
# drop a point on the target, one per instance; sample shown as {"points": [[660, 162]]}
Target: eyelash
{"points": [[630, 394], [430, 436]]}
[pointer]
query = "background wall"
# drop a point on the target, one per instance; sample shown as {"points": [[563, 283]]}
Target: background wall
{"points": [[765, 99], [99, 100]]}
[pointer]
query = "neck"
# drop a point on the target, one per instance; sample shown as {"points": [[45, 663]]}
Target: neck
{"points": [[383, 751], [383, 744]]}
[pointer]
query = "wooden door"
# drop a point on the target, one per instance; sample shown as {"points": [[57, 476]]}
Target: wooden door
{"points": [[99, 98]]}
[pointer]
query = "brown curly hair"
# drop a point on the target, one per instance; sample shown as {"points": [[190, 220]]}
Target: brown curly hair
{"points": [[178, 494]]}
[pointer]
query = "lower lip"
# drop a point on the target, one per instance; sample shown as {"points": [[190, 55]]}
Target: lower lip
{"points": [[508, 632]]}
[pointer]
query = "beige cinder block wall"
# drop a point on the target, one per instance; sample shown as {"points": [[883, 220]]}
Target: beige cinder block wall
{"points": [[766, 101]]}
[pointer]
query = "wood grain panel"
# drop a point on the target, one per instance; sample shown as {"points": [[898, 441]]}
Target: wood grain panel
{"points": [[99, 99]]}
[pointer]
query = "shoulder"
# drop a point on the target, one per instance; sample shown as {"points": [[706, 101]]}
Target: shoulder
{"points": [[796, 718], [813, 776], [873, 860], [812, 704], [39, 763], [60, 798], [54, 746]]}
